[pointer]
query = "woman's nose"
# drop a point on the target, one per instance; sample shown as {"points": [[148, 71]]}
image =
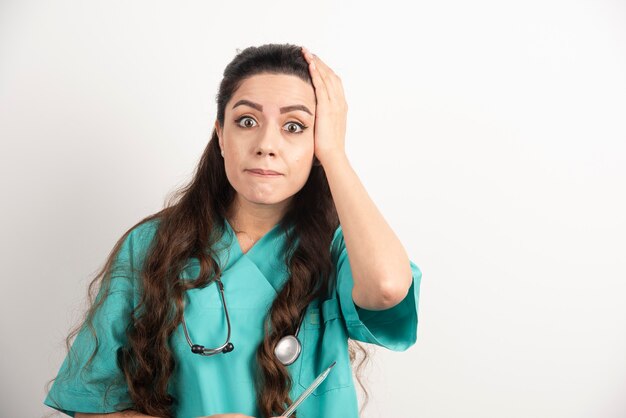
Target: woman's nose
{"points": [[269, 139]]}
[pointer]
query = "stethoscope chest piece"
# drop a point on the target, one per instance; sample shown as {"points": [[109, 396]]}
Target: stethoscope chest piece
{"points": [[288, 349]]}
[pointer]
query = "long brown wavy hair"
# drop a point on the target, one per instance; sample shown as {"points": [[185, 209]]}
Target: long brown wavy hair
{"points": [[189, 226]]}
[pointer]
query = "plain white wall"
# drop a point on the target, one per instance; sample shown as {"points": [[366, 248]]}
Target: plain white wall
{"points": [[490, 134]]}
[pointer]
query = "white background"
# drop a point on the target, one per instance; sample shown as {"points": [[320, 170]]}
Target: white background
{"points": [[490, 134]]}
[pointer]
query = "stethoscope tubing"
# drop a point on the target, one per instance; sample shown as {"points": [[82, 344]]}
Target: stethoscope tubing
{"points": [[224, 348], [228, 346]]}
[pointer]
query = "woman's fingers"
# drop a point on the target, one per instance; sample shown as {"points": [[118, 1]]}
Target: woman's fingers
{"points": [[332, 82], [331, 109], [327, 75], [321, 89]]}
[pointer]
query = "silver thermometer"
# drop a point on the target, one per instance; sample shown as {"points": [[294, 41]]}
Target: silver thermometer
{"points": [[308, 391]]}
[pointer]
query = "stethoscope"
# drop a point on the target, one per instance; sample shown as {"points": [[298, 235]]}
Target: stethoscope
{"points": [[287, 350]]}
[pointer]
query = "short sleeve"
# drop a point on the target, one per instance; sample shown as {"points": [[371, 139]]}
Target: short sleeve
{"points": [[100, 387], [394, 328]]}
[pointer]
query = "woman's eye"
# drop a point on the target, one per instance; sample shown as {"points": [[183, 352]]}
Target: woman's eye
{"points": [[248, 122], [292, 127]]}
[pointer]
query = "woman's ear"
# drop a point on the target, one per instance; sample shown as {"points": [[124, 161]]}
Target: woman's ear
{"points": [[218, 129]]}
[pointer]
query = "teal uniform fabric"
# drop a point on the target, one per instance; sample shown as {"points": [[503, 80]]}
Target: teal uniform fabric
{"points": [[224, 383]]}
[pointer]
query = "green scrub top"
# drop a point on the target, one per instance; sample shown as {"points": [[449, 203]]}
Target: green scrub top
{"points": [[224, 383]]}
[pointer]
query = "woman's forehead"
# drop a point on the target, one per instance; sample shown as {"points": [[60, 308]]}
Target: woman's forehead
{"points": [[275, 91]]}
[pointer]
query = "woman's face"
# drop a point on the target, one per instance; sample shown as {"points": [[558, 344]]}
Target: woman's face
{"points": [[268, 125]]}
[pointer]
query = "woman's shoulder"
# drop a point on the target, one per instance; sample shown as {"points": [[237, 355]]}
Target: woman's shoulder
{"points": [[141, 236], [134, 248], [144, 232]]}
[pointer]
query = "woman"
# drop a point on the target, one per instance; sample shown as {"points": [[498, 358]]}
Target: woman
{"points": [[254, 249]]}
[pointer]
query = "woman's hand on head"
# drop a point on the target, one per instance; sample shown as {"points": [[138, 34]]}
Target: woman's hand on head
{"points": [[330, 111]]}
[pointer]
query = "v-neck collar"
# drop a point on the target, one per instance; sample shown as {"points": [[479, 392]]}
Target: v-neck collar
{"points": [[259, 243], [267, 254]]}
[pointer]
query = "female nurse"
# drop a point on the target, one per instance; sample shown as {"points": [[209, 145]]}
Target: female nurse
{"points": [[252, 280]]}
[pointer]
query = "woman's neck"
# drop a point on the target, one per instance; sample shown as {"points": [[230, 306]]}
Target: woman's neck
{"points": [[254, 220]]}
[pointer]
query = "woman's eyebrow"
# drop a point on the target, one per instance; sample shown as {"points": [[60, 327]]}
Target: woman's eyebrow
{"points": [[282, 109]]}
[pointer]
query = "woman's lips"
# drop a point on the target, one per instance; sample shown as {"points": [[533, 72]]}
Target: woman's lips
{"points": [[262, 174]]}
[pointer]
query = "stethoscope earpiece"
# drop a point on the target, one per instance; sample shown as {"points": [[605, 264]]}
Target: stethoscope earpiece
{"points": [[197, 349]]}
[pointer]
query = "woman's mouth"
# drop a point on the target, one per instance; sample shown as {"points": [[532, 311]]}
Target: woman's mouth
{"points": [[263, 173]]}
